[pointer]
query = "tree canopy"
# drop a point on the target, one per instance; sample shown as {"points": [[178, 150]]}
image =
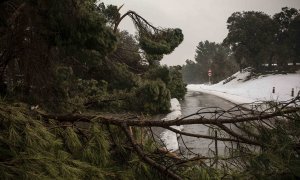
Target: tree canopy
{"points": [[68, 56], [257, 39], [250, 35], [48, 48], [213, 56]]}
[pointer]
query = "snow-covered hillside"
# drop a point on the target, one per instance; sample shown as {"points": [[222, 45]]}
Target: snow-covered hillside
{"points": [[240, 91]]}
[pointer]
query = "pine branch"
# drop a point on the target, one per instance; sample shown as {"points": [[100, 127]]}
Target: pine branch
{"points": [[240, 137], [160, 123], [164, 170], [134, 17], [208, 137]]}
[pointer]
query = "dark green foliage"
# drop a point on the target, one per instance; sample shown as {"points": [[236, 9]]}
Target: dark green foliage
{"points": [[128, 53], [280, 158], [284, 40], [66, 33], [295, 37], [206, 52], [68, 56], [259, 41], [159, 73], [196, 172], [153, 59], [167, 41], [160, 42], [64, 57], [284, 19], [250, 36], [213, 56], [31, 151], [83, 27], [151, 47], [176, 85], [191, 73], [171, 76], [71, 44], [277, 158], [120, 77], [74, 93], [152, 97], [111, 12], [79, 94]]}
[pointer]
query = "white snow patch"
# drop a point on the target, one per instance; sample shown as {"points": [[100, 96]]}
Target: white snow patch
{"points": [[175, 105], [259, 89], [172, 115], [168, 137]]}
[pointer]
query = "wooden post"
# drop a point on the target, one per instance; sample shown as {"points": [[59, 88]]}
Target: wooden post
{"points": [[292, 92], [273, 91], [216, 147]]}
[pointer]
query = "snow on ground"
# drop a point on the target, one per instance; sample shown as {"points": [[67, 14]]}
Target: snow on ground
{"points": [[237, 91], [260, 89], [168, 137], [175, 105]]}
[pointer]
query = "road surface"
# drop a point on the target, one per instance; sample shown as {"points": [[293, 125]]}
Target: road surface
{"points": [[192, 103], [190, 146]]}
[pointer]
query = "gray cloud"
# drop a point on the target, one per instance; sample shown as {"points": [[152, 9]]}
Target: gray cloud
{"points": [[199, 19]]}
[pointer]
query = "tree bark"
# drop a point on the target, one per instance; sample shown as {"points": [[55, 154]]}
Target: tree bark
{"points": [[140, 122]]}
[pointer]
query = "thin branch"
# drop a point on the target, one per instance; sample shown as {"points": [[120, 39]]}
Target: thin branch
{"points": [[199, 158], [132, 13], [144, 157], [234, 134], [204, 136]]}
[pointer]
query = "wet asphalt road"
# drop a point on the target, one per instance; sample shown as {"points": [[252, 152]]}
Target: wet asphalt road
{"points": [[192, 103], [190, 146]]}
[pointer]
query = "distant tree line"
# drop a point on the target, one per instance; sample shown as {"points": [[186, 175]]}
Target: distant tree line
{"points": [[213, 56], [254, 39]]}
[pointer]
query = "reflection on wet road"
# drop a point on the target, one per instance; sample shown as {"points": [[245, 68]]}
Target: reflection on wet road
{"points": [[192, 103]]}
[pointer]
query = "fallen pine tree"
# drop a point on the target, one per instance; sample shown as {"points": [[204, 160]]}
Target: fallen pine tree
{"points": [[37, 145]]}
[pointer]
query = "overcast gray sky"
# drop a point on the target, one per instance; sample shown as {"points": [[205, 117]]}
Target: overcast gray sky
{"points": [[199, 20]]}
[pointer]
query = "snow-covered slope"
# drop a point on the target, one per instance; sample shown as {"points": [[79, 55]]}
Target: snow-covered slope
{"points": [[240, 91]]}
